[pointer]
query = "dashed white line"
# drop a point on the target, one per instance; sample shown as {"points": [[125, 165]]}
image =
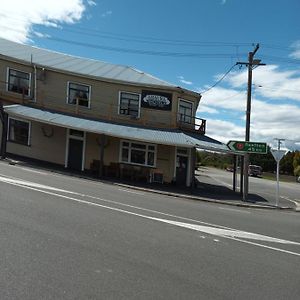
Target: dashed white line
{"points": [[131, 192], [235, 210]]}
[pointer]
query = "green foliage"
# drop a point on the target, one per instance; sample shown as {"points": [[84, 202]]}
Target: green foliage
{"points": [[289, 164], [210, 159], [266, 161], [286, 164], [297, 171], [296, 160]]}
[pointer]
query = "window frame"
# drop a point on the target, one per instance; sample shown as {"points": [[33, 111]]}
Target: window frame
{"points": [[9, 131], [139, 104], [146, 151], [185, 116], [8, 81], [82, 84]]}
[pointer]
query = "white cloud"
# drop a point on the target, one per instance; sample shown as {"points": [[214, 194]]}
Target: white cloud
{"points": [[207, 109], [91, 3], [270, 82], [296, 50], [275, 110], [182, 80], [18, 16], [106, 14], [224, 98]]}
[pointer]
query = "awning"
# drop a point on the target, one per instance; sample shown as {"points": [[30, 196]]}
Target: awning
{"points": [[131, 132]]}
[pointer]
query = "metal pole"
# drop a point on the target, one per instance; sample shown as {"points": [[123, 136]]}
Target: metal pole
{"points": [[242, 176], [277, 188], [234, 173]]}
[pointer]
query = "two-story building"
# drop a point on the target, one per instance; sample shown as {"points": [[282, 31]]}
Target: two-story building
{"points": [[89, 115]]}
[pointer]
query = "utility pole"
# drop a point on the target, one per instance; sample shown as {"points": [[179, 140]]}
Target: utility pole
{"points": [[251, 62]]}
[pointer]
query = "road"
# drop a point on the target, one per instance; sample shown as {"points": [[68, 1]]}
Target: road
{"points": [[65, 237], [289, 192]]}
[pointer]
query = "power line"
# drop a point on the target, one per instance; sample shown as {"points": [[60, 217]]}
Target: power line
{"points": [[140, 51], [217, 82]]}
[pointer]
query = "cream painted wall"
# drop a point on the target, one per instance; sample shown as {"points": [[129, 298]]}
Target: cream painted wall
{"points": [[51, 149]]}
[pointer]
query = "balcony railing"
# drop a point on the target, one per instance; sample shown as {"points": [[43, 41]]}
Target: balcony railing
{"points": [[190, 123]]}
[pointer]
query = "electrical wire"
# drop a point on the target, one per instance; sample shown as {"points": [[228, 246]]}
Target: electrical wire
{"points": [[217, 82]]}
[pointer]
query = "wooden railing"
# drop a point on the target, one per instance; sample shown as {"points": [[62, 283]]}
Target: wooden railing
{"points": [[189, 123]]}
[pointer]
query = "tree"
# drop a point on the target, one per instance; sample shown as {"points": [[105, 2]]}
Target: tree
{"points": [[296, 162], [286, 163]]}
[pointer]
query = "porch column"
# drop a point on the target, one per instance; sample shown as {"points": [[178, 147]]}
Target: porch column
{"points": [[4, 121], [101, 162]]}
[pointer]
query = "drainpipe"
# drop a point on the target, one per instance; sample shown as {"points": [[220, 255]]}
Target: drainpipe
{"points": [[35, 83]]}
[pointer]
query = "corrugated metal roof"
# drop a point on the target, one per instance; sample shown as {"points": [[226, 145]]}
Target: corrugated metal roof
{"points": [[78, 65], [155, 136]]}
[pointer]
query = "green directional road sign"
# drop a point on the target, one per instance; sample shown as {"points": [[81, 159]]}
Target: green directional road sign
{"points": [[247, 147]]}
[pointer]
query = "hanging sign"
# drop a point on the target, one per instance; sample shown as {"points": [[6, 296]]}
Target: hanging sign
{"points": [[156, 100]]}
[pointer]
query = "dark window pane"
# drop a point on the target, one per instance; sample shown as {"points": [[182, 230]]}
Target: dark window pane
{"points": [[18, 82], [76, 133], [18, 131], [125, 155], [129, 104], [140, 146], [138, 156], [79, 94], [150, 158]]}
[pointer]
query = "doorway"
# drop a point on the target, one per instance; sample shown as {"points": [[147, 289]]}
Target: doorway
{"points": [[75, 150], [181, 169]]}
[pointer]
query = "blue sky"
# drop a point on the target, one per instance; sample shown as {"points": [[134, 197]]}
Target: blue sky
{"points": [[190, 43]]}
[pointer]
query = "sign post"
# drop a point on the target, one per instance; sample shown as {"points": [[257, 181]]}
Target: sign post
{"points": [[277, 154], [247, 147]]}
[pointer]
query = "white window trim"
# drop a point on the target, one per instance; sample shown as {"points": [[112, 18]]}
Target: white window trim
{"points": [[7, 81], [29, 131], [146, 151], [79, 83], [119, 103], [188, 101], [83, 138]]}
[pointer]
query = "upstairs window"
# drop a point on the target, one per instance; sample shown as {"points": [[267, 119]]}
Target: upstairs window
{"points": [[185, 111], [129, 104], [18, 131], [19, 82], [79, 94]]}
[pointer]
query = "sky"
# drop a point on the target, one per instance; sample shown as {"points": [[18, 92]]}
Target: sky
{"points": [[189, 43]]}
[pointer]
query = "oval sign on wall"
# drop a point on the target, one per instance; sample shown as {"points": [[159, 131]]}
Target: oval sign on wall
{"points": [[156, 100]]}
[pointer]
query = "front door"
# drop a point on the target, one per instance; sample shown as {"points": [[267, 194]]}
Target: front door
{"points": [[75, 154], [181, 169]]}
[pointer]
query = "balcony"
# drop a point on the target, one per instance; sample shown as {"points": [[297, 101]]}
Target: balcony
{"points": [[193, 124]]}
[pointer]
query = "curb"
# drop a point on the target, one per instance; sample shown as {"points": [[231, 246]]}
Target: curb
{"points": [[177, 195], [246, 205]]}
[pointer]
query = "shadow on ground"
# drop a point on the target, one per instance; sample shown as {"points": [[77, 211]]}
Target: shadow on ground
{"points": [[203, 188]]}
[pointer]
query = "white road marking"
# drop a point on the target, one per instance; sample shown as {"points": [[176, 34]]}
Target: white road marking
{"points": [[33, 171], [32, 184], [233, 234], [132, 192], [288, 199], [236, 210], [222, 182]]}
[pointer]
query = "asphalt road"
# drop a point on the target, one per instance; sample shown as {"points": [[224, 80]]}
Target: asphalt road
{"points": [[289, 192], [64, 237]]}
